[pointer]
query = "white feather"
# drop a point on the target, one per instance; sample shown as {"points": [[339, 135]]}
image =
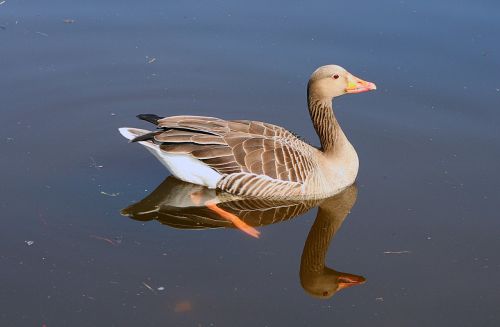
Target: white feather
{"points": [[182, 166]]}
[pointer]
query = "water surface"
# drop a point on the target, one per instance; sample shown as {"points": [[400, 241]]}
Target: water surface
{"points": [[423, 231]]}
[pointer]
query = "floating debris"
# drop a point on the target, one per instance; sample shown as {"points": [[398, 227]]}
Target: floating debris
{"points": [[110, 194], [150, 60], [110, 241], [148, 287], [94, 164], [2, 2], [68, 21], [29, 242], [397, 252], [42, 34], [88, 297], [161, 288]]}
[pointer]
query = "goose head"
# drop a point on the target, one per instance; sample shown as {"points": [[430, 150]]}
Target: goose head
{"points": [[332, 81]]}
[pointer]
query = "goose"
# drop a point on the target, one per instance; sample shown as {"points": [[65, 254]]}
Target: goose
{"points": [[256, 159]]}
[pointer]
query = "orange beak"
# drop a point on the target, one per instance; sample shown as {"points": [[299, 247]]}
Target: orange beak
{"points": [[357, 85]]}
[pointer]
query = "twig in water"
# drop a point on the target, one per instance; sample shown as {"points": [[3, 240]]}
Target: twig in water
{"points": [[94, 163], [104, 239], [397, 252], [109, 194], [148, 287]]}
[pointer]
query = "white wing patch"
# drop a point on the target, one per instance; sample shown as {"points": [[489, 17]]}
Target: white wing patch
{"points": [[182, 166]]}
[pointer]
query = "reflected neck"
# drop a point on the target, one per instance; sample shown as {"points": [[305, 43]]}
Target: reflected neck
{"points": [[325, 226]]}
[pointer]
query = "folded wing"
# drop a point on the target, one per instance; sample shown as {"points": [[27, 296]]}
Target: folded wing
{"points": [[238, 147]]}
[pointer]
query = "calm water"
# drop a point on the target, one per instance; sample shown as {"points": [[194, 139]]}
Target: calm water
{"points": [[423, 231]]}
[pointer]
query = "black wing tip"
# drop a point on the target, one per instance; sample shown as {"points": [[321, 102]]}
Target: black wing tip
{"points": [[144, 137], [150, 118]]}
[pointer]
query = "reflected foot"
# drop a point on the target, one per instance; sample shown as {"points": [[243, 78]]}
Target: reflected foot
{"points": [[240, 224]]}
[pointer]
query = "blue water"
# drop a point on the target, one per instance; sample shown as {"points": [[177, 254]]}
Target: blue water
{"points": [[427, 139]]}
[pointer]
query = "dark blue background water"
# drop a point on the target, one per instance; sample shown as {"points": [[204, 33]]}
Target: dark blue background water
{"points": [[428, 143]]}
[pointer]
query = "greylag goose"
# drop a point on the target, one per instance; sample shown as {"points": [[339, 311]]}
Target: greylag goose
{"points": [[256, 159]]}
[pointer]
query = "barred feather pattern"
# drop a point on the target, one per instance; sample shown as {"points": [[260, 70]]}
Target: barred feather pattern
{"points": [[255, 158], [246, 184], [167, 204], [324, 122], [260, 212], [201, 217]]}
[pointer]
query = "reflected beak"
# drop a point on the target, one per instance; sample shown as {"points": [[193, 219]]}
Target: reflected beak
{"points": [[348, 280], [357, 85]]}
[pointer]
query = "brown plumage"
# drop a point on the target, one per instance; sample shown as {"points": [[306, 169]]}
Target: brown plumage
{"points": [[241, 146], [260, 159]]}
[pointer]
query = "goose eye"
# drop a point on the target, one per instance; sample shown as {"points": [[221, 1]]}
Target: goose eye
{"points": [[335, 76]]}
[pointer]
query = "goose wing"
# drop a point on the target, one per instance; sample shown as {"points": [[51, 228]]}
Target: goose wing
{"points": [[240, 147]]}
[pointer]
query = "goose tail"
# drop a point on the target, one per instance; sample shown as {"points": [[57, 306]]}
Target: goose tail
{"points": [[153, 119], [181, 165], [133, 134]]}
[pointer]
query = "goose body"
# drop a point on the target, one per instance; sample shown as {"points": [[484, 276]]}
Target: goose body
{"points": [[250, 158]]}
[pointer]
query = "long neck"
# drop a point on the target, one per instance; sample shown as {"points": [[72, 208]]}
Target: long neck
{"points": [[324, 121]]}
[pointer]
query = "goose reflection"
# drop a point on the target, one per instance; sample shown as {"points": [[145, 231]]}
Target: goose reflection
{"points": [[183, 205], [317, 279]]}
